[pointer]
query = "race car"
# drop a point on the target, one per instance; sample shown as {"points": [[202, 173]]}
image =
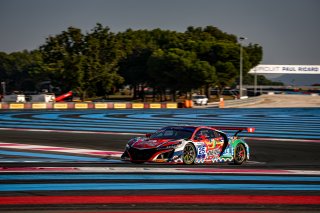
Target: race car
{"points": [[189, 145]]}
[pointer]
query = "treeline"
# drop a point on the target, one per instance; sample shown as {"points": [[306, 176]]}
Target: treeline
{"points": [[99, 62]]}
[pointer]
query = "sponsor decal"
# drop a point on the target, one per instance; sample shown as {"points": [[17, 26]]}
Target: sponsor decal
{"points": [[60, 106], [289, 69], [137, 105], [120, 105], [16, 106], [100, 105], [81, 106], [155, 106], [39, 106], [214, 153], [172, 105]]}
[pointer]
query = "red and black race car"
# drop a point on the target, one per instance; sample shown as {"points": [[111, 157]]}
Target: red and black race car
{"points": [[189, 145]]}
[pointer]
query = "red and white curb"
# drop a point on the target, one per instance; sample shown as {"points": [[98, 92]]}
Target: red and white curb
{"points": [[30, 147]]}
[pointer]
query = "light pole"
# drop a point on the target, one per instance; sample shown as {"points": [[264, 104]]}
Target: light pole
{"points": [[241, 66], [255, 82], [3, 84]]}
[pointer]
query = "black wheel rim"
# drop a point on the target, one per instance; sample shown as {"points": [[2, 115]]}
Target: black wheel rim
{"points": [[240, 154], [189, 154]]}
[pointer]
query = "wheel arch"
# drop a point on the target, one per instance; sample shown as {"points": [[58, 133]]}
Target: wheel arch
{"points": [[194, 148], [246, 146]]}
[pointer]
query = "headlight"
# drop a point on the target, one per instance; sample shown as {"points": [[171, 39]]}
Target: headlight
{"points": [[132, 141]]}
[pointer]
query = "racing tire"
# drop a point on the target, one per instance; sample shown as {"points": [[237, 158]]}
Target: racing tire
{"points": [[189, 154], [240, 154]]}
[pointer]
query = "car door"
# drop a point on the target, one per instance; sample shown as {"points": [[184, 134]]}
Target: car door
{"points": [[206, 136], [212, 142]]}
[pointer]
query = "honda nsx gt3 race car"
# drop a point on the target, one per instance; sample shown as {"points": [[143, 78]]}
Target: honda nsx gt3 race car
{"points": [[189, 145]]}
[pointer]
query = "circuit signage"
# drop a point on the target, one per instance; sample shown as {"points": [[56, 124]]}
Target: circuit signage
{"points": [[285, 69]]}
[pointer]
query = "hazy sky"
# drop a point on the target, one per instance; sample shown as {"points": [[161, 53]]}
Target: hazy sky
{"points": [[288, 30]]}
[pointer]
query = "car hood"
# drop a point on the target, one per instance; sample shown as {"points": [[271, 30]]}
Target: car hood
{"points": [[147, 143]]}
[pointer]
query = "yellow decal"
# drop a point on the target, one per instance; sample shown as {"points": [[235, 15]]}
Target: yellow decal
{"points": [[100, 105], [16, 106], [155, 106], [39, 106], [81, 106], [120, 105], [137, 105], [172, 105], [61, 106]]}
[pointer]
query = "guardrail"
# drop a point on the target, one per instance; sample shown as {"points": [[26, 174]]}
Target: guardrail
{"points": [[123, 105], [88, 105]]}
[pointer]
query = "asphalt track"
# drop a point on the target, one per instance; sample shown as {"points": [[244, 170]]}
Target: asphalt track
{"points": [[251, 190], [281, 176]]}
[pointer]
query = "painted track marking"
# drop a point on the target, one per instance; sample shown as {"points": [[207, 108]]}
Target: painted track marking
{"points": [[145, 170], [182, 199], [30, 147]]}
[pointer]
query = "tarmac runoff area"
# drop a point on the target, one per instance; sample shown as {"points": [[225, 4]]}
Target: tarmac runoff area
{"points": [[283, 101]]}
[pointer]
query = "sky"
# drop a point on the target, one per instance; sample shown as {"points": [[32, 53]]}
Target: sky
{"points": [[288, 30]]}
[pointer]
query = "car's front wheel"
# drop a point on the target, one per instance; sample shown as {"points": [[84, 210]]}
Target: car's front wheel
{"points": [[189, 154], [240, 154]]}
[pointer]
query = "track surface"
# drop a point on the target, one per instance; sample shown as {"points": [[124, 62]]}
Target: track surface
{"points": [[280, 176], [267, 153], [273, 123]]}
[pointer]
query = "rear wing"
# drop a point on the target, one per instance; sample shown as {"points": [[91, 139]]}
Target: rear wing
{"points": [[239, 129]]}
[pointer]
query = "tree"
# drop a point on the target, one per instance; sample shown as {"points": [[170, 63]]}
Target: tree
{"points": [[83, 63], [255, 53], [225, 58], [64, 56], [99, 62], [179, 70], [137, 46], [261, 80], [21, 70], [4, 68], [101, 54], [134, 68]]}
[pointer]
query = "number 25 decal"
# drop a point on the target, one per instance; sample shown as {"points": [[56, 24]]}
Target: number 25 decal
{"points": [[202, 150]]}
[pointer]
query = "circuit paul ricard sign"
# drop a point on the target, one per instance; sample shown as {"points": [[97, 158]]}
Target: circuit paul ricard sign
{"points": [[285, 69]]}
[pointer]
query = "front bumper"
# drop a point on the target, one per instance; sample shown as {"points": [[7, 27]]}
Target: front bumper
{"points": [[147, 155]]}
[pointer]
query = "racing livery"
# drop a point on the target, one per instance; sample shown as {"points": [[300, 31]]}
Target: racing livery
{"points": [[189, 145]]}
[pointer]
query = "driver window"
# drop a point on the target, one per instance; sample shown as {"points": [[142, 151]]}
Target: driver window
{"points": [[218, 136], [202, 133], [168, 133], [211, 133]]}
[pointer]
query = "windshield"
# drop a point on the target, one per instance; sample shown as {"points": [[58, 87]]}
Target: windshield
{"points": [[172, 133], [199, 97]]}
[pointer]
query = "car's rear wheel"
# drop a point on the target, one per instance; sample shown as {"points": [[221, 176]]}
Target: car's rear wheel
{"points": [[240, 154], [189, 154]]}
